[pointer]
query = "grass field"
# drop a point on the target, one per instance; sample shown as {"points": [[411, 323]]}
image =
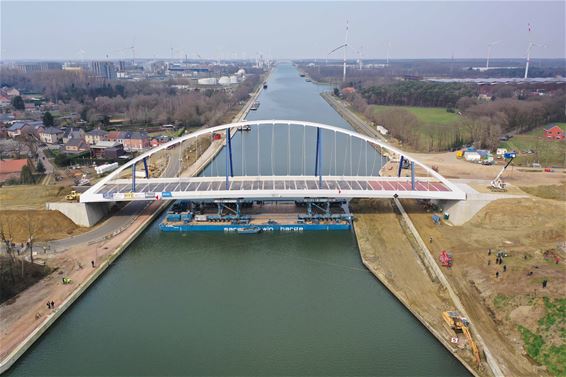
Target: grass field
{"points": [[546, 152], [30, 196], [428, 115]]}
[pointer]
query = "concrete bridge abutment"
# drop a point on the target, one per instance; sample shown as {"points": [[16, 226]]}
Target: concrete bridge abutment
{"points": [[82, 214]]}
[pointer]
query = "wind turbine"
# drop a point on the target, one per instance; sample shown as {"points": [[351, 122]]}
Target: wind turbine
{"points": [[531, 45], [489, 46], [345, 47], [387, 56]]}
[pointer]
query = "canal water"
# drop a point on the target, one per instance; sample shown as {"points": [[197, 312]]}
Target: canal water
{"points": [[227, 304]]}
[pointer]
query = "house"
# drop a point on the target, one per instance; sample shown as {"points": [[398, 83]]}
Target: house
{"points": [[110, 150], [11, 169], [554, 133], [51, 135], [73, 133], [75, 146], [134, 140], [19, 129], [96, 136], [348, 90]]}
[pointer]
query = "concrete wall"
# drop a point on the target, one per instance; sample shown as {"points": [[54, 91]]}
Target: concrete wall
{"points": [[82, 214]]}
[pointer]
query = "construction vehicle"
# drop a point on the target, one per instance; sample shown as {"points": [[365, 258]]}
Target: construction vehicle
{"points": [[497, 184], [445, 259], [461, 325], [72, 196]]}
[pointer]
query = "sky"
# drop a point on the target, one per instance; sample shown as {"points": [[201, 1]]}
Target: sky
{"points": [[280, 30]]}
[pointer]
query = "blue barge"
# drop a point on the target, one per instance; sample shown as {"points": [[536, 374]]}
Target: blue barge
{"points": [[235, 216]]}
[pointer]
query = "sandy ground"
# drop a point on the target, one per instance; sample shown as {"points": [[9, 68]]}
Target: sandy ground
{"points": [[395, 261], [451, 167], [524, 228], [43, 225]]}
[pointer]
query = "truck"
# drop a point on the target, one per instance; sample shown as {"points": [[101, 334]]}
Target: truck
{"points": [[106, 168], [73, 196]]}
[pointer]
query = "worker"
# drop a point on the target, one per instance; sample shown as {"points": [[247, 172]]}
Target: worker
{"points": [[92, 263], [430, 240], [504, 268], [544, 283], [496, 274], [488, 252]]}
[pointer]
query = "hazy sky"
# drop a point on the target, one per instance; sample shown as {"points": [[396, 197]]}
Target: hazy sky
{"points": [[422, 29]]}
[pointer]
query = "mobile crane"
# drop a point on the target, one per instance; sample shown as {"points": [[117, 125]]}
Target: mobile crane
{"points": [[497, 184]]}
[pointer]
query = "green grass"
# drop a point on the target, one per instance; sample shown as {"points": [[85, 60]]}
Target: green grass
{"points": [[551, 353], [500, 301], [427, 115], [546, 152]]}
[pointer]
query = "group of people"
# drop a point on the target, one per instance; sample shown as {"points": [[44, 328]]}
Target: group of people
{"points": [[50, 305]]}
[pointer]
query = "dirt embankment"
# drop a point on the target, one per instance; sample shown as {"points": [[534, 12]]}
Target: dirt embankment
{"points": [[42, 225], [392, 257], [501, 299]]}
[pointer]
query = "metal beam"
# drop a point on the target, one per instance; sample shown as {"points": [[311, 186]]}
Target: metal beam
{"points": [[401, 160], [145, 168], [134, 177], [413, 175]]}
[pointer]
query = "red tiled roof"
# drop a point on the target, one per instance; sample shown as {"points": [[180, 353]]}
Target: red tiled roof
{"points": [[12, 166]]}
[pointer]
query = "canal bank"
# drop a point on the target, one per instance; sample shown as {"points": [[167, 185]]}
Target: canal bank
{"points": [[272, 304], [369, 251], [36, 321]]}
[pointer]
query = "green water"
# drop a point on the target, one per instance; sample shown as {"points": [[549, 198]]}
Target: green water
{"points": [[216, 304]]}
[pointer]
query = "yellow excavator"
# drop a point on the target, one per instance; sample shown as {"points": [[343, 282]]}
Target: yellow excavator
{"points": [[73, 195], [461, 324]]}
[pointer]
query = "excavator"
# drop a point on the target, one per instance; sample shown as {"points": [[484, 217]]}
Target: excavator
{"points": [[461, 324], [497, 184]]}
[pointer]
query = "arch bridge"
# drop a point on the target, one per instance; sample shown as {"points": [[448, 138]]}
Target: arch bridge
{"points": [[277, 159]]}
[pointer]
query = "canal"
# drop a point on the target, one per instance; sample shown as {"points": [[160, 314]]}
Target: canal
{"points": [[216, 304]]}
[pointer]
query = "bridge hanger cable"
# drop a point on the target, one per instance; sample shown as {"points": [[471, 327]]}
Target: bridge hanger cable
{"points": [[272, 147], [304, 148], [373, 164], [330, 163], [289, 149], [351, 169], [359, 161], [344, 162], [335, 155], [258, 146], [366, 161]]}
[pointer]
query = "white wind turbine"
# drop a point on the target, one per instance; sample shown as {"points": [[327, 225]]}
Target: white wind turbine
{"points": [[345, 47], [531, 45], [489, 46]]}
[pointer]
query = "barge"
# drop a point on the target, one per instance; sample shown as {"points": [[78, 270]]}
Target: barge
{"points": [[253, 217]]}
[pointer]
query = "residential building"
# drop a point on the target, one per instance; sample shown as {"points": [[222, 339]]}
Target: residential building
{"points": [[19, 129], [11, 169], [96, 136], [51, 135], [109, 150], [73, 133], [75, 146], [104, 69], [554, 133], [135, 141]]}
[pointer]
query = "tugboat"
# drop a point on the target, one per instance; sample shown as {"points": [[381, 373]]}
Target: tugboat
{"points": [[265, 85], [249, 230], [255, 105]]}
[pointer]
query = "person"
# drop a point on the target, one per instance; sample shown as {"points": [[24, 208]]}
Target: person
{"points": [[48, 305], [52, 305], [497, 274], [489, 252], [504, 268], [92, 262], [489, 262], [530, 273], [430, 240], [544, 282]]}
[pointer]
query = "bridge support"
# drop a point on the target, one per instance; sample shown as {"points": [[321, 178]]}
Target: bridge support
{"points": [[413, 175], [145, 168], [318, 159], [229, 167], [134, 177], [401, 162]]}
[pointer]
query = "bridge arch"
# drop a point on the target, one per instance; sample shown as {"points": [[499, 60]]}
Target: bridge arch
{"points": [[262, 123]]}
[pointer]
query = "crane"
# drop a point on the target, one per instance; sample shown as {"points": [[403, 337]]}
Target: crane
{"points": [[497, 184]]}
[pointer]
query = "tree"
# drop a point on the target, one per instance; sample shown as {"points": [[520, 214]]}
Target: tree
{"points": [[26, 176], [40, 167], [48, 120], [18, 103], [337, 92]]}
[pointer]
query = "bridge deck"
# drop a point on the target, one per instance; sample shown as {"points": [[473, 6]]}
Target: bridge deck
{"points": [[257, 187]]}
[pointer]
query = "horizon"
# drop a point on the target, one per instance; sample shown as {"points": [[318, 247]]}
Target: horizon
{"points": [[275, 30]]}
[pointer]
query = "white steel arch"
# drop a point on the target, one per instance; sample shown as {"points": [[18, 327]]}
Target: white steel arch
{"points": [[258, 123]]}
